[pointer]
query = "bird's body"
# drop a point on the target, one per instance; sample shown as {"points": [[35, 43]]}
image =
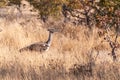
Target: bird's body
{"points": [[39, 47]]}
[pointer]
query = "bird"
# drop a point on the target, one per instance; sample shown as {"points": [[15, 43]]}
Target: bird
{"points": [[38, 46]]}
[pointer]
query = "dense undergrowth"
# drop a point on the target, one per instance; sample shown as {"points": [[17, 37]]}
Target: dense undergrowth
{"points": [[76, 52]]}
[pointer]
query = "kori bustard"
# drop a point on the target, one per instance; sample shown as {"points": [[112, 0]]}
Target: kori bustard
{"points": [[40, 47]]}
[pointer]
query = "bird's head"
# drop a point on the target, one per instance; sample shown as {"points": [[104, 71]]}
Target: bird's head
{"points": [[52, 30]]}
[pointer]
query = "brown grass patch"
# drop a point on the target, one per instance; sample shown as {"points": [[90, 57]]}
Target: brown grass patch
{"points": [[72, 55]]}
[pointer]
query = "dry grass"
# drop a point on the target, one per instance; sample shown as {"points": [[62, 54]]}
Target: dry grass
{"points": [[72, 56]]}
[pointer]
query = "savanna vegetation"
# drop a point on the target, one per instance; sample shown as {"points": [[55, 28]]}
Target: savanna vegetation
{"points": [[86, 46]]}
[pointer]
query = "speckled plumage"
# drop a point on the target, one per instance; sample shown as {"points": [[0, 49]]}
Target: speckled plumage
{"points": [[40, 47]]}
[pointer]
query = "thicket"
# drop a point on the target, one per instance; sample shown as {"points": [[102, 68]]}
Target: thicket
{"points": [[106, 12]]}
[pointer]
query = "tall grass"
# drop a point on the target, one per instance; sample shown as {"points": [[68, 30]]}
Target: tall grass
{"points": [[76, 52]]}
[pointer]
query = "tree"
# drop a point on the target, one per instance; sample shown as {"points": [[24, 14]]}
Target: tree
{"points": [[106, 13], [47, 7]]}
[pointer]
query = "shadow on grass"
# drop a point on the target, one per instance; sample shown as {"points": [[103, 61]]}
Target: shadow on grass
{"points": [[88, 71]]}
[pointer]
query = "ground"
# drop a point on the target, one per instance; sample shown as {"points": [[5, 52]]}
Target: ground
{"points": [[76, 52]]}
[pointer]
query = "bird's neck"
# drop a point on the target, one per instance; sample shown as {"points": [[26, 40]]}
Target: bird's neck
{"points": [[49, 39]]}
